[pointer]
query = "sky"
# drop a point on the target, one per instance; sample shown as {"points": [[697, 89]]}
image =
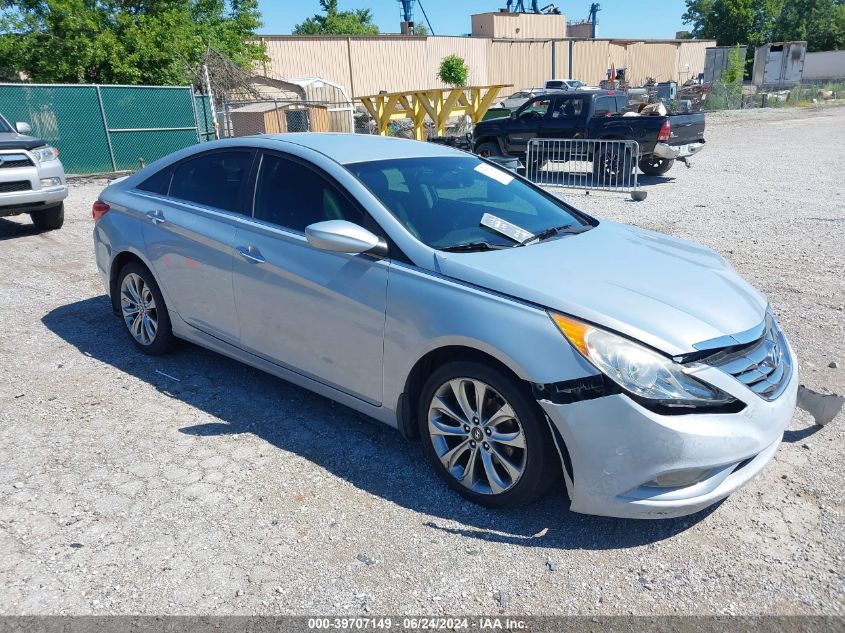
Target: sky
{"points": [[636, 19]]}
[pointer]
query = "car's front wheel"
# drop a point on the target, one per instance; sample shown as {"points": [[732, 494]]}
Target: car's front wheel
{"points": [[488, 149], [49, 219], [484, 435], [143, 310]]}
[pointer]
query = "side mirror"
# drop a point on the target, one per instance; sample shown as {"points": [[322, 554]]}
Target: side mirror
{"points": [[513, 116], [23, 128], [340, 236]]}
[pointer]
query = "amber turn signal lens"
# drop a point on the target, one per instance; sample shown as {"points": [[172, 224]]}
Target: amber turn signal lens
{"points": [[575, 331]]}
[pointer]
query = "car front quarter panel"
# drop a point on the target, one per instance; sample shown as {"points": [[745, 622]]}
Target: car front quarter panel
{"points": [[427, 311]]}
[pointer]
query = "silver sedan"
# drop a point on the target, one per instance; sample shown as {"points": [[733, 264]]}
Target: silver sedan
{"points": [[523, 342]]}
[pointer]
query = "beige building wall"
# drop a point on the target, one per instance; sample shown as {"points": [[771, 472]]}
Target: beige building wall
{"points": [[523, 64], [530, 26], [368, 65]]}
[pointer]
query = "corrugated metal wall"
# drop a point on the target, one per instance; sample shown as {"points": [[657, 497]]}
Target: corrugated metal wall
{"points": [[367, 65], [523, 64]]}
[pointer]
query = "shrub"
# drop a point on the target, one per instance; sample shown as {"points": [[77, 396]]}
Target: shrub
{"points": [[453, 71]]}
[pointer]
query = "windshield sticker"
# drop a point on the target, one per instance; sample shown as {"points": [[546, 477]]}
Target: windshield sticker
{"points": [[496, 174], [504, 227]]}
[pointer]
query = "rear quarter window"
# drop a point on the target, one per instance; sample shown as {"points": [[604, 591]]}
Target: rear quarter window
{"points": [[158, 183]]}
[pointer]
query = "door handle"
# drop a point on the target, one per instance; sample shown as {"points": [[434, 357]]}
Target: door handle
{"points": [[251, 253], [156, 217]]}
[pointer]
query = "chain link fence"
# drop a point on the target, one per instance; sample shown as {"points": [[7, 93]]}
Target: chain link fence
{"points": [[725, 96], [107, 128]]}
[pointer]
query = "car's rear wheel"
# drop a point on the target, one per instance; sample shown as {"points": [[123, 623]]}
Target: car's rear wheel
{"points": [[653, 166], [49, 219], [484, 436], [143, 310]]}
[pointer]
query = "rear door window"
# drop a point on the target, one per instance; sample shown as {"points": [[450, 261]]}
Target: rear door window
{"points": [[214, 179], [604, 106]]}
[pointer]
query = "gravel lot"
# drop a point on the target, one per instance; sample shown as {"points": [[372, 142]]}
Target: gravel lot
{"points": [[192, 484]]}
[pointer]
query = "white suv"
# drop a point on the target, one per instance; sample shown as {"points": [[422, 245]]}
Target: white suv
{"points": [[32, 179]]}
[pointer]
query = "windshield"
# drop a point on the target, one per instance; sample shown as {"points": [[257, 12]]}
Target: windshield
{"points": [[442, 200], [4, 125], [575, 84]]}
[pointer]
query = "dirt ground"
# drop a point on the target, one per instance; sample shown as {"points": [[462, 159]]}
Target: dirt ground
{"points": [[192, 484]]}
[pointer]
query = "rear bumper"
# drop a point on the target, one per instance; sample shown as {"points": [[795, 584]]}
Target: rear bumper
{"points": [[673, 152], [616, 447]]}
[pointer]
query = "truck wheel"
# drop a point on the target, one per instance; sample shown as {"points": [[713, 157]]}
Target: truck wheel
{"points": [[654, 166], [613, 167], [49, 219], [485, 150]]}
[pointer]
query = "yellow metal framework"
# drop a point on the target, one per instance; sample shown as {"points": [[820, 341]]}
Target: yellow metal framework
{"points": [[438, 104]]}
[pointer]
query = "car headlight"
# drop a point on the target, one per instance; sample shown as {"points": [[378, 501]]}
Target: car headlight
{"points": [[45, 154], [637, 369]]}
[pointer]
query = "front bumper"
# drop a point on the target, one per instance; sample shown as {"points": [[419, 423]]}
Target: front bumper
{"points": [[15, 202], [677, 152], [616, 446]]}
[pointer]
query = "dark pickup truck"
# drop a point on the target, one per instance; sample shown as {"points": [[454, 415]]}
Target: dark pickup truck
{"points": [[592, 114]]}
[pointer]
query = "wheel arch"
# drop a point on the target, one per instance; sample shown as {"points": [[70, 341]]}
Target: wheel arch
{"points": [[428, 363], [118, 262], [489, 139]]}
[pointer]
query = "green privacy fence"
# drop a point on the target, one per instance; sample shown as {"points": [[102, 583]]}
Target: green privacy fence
{"points": [[109, 128]]}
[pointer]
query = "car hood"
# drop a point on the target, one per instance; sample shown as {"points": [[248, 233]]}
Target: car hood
{"points": [[13, 140], [666, 292]]}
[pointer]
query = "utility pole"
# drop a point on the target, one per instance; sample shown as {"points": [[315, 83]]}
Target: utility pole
{"points": [[211, 101]]}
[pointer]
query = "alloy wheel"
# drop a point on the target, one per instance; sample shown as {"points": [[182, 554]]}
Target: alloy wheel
{"points": [[477, 436], [138, 308]]}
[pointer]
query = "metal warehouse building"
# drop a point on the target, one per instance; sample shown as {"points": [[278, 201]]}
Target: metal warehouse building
{"points": [[365, 65]]}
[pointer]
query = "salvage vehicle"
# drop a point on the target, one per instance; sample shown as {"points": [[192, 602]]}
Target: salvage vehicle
{"points": [[521, 340], [593, 114], [32, 179], [517, 99]]}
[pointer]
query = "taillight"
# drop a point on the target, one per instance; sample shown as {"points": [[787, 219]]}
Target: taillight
{"points": [[99, 209], [665, 131]]}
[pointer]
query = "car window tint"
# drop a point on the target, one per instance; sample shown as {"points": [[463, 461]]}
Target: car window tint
{"points": [[291, 195], [604, 106], [568, 107], [213, 179], [159, 182], [621, 103], [447, 196], [536, 109]]}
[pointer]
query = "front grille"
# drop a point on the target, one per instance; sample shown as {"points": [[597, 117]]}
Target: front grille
{"points": [[17, 185], [10, 161], [763, 366]]}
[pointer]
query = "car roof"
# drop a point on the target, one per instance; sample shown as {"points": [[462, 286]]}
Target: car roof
{"points": [[359, 148]]}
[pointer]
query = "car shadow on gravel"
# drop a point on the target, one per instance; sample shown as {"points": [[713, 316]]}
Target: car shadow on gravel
{"points": [[10, 229], [231, 399]]}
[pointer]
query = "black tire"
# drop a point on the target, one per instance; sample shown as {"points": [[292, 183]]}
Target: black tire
{"points": [[487, 149], [541, 464], [654, 166], [613, 167], [49, 219], [164, 340]]}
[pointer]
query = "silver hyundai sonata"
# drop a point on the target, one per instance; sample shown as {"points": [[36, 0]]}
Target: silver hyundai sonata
{"points": [[521, 340]]}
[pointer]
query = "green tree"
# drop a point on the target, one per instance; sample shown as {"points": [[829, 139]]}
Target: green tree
{"points": [[820, 22], [453, 71], [124, 41], [732, 22], [334, 22]]}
